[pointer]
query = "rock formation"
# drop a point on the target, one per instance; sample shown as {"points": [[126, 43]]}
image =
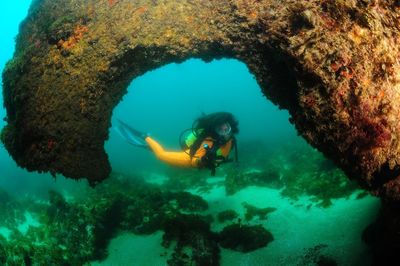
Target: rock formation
{"points": [[333, 64]]}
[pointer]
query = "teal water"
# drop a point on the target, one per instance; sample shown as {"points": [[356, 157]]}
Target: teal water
{"points": [[318, 215]]}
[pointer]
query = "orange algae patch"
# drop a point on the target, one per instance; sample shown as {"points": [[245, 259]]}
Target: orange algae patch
{"points": [[140, 10], [328, 21], [357, 34], [79, 31], [253, 15], [112, 3]]}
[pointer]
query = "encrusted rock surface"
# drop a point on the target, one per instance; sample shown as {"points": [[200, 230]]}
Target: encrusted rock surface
{"points": [[333, 64]]}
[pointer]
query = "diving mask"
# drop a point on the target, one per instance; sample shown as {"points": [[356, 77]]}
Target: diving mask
{"points": [[223, 129]]}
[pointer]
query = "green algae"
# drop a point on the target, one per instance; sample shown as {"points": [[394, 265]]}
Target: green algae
{"points": [[181, 179], [244, 238], [194, 243], [78, 230], [227, 215], [237, 179], [253, 211], [315, 256], [130, 204], [188, 202], [297, 171], [10, 210]]}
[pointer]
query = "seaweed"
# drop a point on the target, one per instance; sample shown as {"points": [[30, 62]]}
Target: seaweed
{"points": [[298, 171], [188, 202], [314, 255], [252, 211], [78, 230], [195, 243], [227, 215], [244, 238], [237, 179]]}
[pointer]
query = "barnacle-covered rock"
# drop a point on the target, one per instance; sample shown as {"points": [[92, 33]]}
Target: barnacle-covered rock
{"points": [[333, 64]]}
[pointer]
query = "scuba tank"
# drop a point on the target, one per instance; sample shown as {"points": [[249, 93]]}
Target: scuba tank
{"points": [[190, 136], [186, 139]]}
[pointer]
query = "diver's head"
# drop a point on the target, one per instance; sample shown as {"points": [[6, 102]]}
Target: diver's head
{"points": [[219, 125], [224, 130]]}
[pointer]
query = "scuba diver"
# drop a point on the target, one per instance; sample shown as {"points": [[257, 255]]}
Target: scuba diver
{"points": [[206, 145]]}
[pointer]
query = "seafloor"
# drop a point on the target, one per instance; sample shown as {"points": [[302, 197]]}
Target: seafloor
{"points": [[291, 208]]}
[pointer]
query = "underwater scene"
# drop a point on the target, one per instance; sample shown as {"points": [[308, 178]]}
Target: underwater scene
{"points": [[205, 170]]}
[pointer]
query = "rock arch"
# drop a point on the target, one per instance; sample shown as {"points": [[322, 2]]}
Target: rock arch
{"points": [[332, 64]]}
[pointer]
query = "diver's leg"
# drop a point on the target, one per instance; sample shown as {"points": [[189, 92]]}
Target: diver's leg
{"points": [[181, 159]]}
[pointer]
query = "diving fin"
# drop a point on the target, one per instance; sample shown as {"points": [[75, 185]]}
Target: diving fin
{"points": [[132, 136]]}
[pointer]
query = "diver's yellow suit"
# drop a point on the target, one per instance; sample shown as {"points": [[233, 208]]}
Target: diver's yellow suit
{"points": [[182, 158]]}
